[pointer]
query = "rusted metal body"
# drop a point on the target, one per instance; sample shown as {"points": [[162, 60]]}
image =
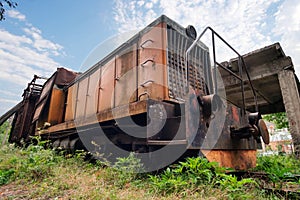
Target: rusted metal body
{"points": [[149, 80], [21, 125], [51, 104]]}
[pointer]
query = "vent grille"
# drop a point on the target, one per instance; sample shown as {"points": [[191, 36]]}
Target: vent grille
{"points": [[198, 70]]}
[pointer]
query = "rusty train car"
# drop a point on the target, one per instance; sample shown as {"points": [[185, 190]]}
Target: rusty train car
{"points": [[157, 90]]}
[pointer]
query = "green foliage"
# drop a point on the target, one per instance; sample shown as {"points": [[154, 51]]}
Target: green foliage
{"points": [[201, 169], [195, 173], [129, 165], [168, 182], [5, 175], [34, 163], [279, 167], [279, 119], [3, 131], [54, 174], [236, 187], [3, 127], [126, 171]]}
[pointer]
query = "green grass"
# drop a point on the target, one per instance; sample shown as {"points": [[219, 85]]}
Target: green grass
{"points": [[280, 166], [38, 173]]}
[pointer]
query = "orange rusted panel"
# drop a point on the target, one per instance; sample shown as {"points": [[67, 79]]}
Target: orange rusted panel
{"points": [[236, 159], [56, 108], [71, 99], [92, 94], [152, 69], [106, 100], [81, 98], [126, 79], [106, 115]]}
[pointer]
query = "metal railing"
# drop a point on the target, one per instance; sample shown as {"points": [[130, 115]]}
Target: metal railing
{"points": [[241, 65]]}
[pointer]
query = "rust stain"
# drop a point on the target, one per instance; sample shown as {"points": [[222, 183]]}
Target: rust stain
{"points": [[235, 114], [236, 159]]}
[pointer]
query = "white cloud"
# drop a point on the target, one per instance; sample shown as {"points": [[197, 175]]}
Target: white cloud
{"points": [[42, 44], [16, 15], [22, 56], [246, 25], [130, 15], [287, 27], [149, 5], [141, 3], [13, 39]]}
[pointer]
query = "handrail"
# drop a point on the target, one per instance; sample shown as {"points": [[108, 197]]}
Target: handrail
{"points": [[242, 64]]}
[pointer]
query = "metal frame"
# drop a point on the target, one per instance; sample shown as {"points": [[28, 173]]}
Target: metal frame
{"points": [[241, 64]]}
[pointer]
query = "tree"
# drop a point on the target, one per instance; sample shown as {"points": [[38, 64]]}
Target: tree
{"points": [[279, 119], [4, 4]]}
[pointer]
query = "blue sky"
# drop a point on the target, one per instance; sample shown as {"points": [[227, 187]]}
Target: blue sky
{"points": [[39, 36]]}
